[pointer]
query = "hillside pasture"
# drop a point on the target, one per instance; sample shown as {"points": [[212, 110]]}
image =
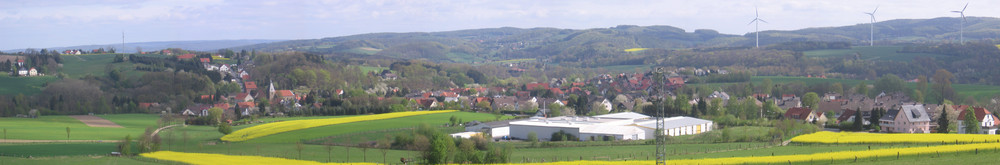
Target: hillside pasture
{"points": [[77, 66], [24, 85], [879, 53], [979, 92]]}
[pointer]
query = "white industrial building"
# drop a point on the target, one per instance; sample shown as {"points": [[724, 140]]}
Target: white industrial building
{"points": [[617, 126]]}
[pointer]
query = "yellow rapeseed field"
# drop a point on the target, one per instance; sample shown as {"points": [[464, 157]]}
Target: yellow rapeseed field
{"points": [[285, 126], [202, 158], [199, 158], [635, 49], [850, 137]]}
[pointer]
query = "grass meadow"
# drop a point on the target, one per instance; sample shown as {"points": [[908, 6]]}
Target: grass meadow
{"points": [[54, 127], [24, 85], [885, 53]]}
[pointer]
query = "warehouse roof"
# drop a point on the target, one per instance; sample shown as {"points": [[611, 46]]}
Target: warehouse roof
{"points": [[673, 122]]}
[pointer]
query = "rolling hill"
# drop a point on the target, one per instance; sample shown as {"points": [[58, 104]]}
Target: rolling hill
{"points": [[571, 45], [202, 45]]}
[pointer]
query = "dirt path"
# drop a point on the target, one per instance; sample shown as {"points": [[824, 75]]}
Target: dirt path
{"points": [[94, 121], [57, 141]]}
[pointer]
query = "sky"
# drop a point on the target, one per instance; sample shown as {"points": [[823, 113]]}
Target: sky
{"points": [[56, 23]]}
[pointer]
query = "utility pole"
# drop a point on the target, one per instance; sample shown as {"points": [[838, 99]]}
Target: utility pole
{"points": [[660, 132]]}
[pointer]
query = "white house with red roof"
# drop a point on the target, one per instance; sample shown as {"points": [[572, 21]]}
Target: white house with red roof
{"points": [[987, 121]]}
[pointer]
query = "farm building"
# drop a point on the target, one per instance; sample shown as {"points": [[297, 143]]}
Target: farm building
{"points": [[496, 129], [617, 126]]}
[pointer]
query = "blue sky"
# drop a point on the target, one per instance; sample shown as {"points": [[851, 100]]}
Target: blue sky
{"points": [[44, 23]]}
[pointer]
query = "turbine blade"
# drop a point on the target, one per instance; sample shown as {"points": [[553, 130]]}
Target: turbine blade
{"points": [[762, 20], [756, 13], [966, 6], [876, 9], [751, 22]]}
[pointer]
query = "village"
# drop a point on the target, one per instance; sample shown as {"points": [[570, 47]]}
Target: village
{"points": [[619, 106]]}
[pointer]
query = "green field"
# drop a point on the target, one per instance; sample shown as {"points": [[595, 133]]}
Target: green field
{"points": [[54, 127], [886, 53], [339, 129], [77, 66], [24, 85], [627, 68], [74, 160], [204, 139], [980, 92], [358, 50], [57, 149]]}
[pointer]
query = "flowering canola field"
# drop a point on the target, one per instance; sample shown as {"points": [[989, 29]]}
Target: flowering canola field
{"points": [[202, 158], [635, 49], [285, 126], [850, 137]]}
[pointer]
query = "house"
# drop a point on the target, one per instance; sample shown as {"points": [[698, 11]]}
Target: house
{"points": [[675, 82], [205, 60], [722, 95], [285, 95], [504, 103], [197, 110], [20, 62], [246, 108], [22, 72], [607, 105], [32, 72], [850, 115], [427, 103], [450, 96], [805, 114], [244, 97], [249, 86], [224, 68], [908, 119], [987, 122]]}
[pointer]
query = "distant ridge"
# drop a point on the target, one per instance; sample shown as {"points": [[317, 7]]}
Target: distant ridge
{"points": [[198, 45]]}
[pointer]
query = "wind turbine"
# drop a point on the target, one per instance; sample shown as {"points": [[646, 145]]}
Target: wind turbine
{"points": [[757, 20], [871, 42], [961, 29]]}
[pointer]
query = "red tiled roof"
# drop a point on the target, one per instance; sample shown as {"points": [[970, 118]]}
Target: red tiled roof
{"points": [[980, 114], [242, 96], [556, 91], [676, 80], [285, 93], [250, 85], [798, 113], [145, 105], [578, 84], [533, 86], [221, 105], [449, 94], [426, 102], [205, 59], [246, 104], [185, 56]]}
